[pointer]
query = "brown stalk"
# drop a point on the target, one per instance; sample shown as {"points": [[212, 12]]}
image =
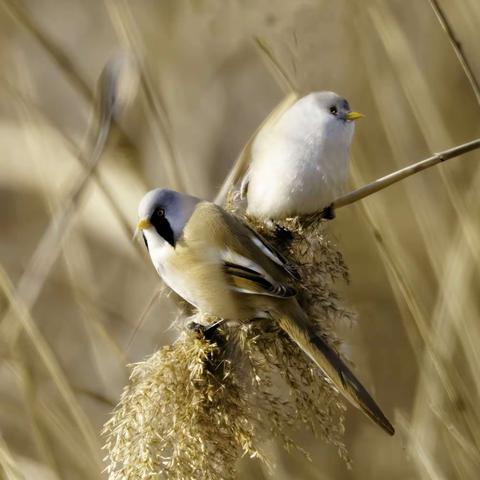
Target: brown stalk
{"points": [[394, 177], [97, 177], [24, 319], [60, 57], [124, 23], [457, 47], [278, 72], [8, 464], [49, 247], [441, 333]]}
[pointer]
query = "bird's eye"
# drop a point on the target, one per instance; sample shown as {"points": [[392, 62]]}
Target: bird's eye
{"points": [[160, 213], [333, 110]]}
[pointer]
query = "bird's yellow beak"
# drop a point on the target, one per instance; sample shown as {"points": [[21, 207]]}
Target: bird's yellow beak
{"points": [[143, 224], [354, 115]]}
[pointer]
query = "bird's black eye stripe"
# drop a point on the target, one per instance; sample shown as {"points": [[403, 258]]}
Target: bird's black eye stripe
{"points": [[163, 228], [333, 110]]}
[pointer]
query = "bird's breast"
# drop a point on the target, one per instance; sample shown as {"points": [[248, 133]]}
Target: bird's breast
{"points": [[165, 260], [295, 181]]}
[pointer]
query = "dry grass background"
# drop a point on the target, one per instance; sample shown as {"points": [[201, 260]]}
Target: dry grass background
{"points": [[412, 249]]}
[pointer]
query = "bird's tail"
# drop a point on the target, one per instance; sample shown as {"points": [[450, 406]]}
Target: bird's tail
{"points": [[300, 330]]}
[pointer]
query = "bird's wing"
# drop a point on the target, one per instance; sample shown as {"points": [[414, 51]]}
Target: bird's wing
{"points": [[273, 254], [251, 264], [247, 277]]}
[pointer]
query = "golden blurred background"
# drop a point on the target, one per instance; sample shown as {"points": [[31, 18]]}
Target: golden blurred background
{"points": [[413, 250]]}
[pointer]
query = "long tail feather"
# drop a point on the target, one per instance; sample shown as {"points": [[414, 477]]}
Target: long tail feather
{"points": [[298, 328]]}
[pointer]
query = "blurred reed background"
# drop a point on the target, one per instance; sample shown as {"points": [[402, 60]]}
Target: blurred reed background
{"points": [[412, 249]]}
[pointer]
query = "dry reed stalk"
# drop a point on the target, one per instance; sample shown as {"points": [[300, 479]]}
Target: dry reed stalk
{"points": [[26, 379], [455, 305], [59, 428], [415, 86], [8, 464], [115, 88], [21, 301], [29, 394], [405, 172], [77, 263], [157, 115], [448, 380], [464, 62], [51, 423], [59, 57], [239, 168], [457, 48], [138, 324], [443, 329], [74, 76], [397, 273], [429, 469], [31, 109], [455, 308], [395, 139], [276, 69], [23, 316], [81, 272]]}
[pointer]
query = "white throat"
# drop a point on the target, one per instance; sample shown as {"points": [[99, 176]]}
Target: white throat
{"points": [[158, 248], [160, 253]]}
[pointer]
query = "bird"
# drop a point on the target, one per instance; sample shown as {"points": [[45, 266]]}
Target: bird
{"points": [[299, 165], [223, 268]]}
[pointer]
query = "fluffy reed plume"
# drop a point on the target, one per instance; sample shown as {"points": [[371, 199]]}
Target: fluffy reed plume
{"points": [[194, 408]]}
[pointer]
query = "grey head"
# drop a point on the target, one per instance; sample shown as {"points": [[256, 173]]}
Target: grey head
{"points": [[167, 211], [334, 105]]}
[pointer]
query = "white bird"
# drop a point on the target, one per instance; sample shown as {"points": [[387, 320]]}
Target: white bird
{"points": [[299, 165], [223, 268]]}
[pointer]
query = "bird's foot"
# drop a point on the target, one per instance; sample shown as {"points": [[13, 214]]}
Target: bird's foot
{"points": [[283, 233], [208, 331], [196, 327], [328, 213]]}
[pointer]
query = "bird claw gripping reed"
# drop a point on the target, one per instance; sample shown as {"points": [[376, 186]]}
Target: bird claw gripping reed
{"points": [[194, 408]]}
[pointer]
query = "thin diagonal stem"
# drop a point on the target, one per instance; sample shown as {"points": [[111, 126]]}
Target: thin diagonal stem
{"points": [[457, 47], [49, 247], [48, 357], [60, 57], [81, 157], [395, 177], [156, 112]]}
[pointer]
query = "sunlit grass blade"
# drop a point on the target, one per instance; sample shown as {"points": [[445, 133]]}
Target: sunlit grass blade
{"points": [[7, 463], [41, 346]]}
